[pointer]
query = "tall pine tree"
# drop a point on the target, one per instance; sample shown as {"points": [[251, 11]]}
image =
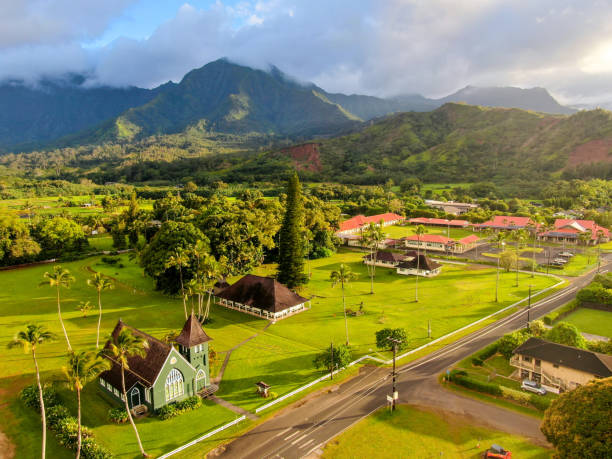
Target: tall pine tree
{"points": [[291, 244]]}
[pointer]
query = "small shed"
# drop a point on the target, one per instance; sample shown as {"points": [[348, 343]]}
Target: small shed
{"points": [[263, 388]]}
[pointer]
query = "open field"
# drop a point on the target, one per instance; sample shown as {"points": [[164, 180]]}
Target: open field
{"points": [[591, 321], [396, 231], [281, 355], [413, 432], [54, 205]]}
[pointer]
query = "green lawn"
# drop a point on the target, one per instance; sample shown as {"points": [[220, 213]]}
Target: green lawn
{"points": [[591, 321], [578, 265], [396, 231], [418, 433], [282, 355]]}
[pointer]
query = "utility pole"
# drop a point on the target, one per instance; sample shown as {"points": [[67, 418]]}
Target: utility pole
{"points": [[394, 395], [429, 329], [331, 374], [528, 307]]}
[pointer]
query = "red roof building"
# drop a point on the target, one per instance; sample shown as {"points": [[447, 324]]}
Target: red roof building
{"points": [[356, 223], [568, 230], [505, 223]]}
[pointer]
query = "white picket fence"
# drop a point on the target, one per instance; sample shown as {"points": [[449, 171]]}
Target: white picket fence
{"points": [[204, 437], [360, 359]]}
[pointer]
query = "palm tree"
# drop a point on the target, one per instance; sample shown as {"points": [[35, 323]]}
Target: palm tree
{"points": [[372, 237], [518, 236], [60, 277], [121, 347], [419, 230], [343, 276], [28, 340], [100, 283], [180, 260], [533, 227], [81, 368], [211, 271]]}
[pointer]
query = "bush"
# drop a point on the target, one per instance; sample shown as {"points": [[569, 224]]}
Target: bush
{"points": [[488, 351], [178, 408], [516, 395], [477, 385], [539, 402], [90, 449], [477, 362], [55, 414], [110, 260], [117, 415], [562, 312], [66, 431], [29, 396]]}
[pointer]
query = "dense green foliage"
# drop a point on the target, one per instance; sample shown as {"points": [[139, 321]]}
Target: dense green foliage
{"points": [[579, 424], [334, 357], [176, 409], [291, 238], [384, 337]]}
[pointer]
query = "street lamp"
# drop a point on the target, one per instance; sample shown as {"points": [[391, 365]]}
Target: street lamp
{"points": [[394, 396], [503, 244]]}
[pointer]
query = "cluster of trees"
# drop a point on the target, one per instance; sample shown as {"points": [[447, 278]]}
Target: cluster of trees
{"points": [[22, 242]]}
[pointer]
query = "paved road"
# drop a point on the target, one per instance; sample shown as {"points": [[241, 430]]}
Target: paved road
{"points": [[300, 430]]}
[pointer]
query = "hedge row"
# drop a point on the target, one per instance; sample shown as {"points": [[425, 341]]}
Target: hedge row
{"points": [[178, 408], [117, 415], [475, 384], [562, 312], [64, 425], [483, 355]]}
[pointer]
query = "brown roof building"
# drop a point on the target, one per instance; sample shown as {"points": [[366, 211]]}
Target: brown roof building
{"points": [[165, 374], [420, 266], [559, 367], [262, 296]]}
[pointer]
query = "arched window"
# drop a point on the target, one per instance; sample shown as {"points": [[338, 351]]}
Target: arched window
{"points": [[174, 385]]}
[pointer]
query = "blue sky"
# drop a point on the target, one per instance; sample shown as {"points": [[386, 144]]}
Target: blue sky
{"points": [[140, 19], [377, 47]]}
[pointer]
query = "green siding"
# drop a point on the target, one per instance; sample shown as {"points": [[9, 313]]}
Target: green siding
{"points": [[173, 361]]}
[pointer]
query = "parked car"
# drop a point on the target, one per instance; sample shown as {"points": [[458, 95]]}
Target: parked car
{"points": [[497, 452], [560, 260], [532, 386], [566, 254]]}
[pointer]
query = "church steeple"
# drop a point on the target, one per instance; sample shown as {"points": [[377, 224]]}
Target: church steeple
{"points": [[193, 342]]}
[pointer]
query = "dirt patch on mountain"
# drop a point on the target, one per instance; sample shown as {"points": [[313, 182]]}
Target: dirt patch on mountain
{"points": [[595, 151], [306, 157]]}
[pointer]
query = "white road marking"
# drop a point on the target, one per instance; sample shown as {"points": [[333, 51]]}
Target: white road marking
{"points": [[292, 435], [307, 443], [282, 432], [299, 439]]}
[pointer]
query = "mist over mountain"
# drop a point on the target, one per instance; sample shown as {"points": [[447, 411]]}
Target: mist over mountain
{"points": [[220, 97]]}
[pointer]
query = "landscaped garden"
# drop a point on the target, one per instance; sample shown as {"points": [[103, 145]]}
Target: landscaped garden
{"points": [[281, 355], [415, 432], [591, 321]]}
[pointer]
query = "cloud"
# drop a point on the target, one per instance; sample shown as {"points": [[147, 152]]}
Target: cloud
{"points": [[385, 48]]}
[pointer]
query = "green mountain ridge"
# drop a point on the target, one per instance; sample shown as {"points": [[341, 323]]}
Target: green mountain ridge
{"points": [[224, 97]]}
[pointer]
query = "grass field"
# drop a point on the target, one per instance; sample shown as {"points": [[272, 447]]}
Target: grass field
{"points": [[591, 321], [281, 355], [418, 433], [396, 231]]}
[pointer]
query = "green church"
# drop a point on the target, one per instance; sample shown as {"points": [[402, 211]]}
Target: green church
{"points": [[166, 374]]}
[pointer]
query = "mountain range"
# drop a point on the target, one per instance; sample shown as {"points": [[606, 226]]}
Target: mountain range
{"points": [[220, 97]]}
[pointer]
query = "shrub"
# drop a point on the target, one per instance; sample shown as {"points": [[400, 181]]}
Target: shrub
{"points": [[110, 260], [90, 449], [477, 362], [560, 313], [55, 414], [117, 415], [488, 351], [539, 402], [516, 395], [167, 411], [66, 432], [29, 396], [178, 408], [477, 385]]}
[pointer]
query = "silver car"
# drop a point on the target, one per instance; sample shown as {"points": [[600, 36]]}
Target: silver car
{"points": [[532, 386]]}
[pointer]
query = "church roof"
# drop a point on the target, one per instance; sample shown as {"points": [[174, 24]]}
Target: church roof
{"points": [[144, 370], [192, 333]]}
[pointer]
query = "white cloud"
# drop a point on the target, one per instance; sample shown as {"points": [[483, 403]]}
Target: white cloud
{"points": [[366, 46]]}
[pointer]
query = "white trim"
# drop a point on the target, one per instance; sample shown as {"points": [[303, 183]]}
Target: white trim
{"points": [[166, 361]]}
